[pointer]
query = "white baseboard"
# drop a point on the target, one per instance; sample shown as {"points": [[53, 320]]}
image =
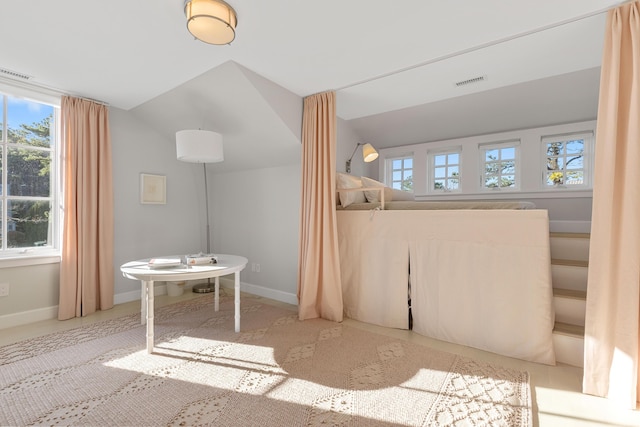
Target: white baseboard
{"points": [[48, 313], [261, 291], [570, 226], [136, 295], [26, 317], [228, 283]]}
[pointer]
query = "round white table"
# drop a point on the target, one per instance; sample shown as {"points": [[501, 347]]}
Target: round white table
{"points": [[140, 270]]}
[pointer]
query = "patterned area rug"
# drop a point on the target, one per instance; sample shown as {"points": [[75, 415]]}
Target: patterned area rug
{"points": [[277, 372]]}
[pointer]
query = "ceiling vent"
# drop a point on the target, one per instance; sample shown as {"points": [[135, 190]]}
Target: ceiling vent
{"points": [[14, 74], [471, 81]]}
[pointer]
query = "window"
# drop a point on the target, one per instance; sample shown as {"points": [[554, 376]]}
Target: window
{"points": [[401, 173], [445, 171], [28, 164], [564, 158], [500, 165]]}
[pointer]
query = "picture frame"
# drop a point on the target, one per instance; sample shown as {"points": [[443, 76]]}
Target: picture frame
{"points": [[153, 189]]}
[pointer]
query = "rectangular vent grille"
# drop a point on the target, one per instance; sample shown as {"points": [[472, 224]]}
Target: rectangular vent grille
{"points": [[14, 74], [471, 81]]}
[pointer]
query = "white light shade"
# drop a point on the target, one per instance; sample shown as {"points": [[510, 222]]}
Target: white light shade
{"points": [[199, 146], [211, 21], [369, 154]]}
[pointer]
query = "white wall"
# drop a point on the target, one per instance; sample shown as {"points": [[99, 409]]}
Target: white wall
{"points": [[255, 214], [33, 294], [252, 213]]}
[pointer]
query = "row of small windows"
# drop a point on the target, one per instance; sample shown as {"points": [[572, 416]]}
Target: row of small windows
{"points": [[563, 157]]}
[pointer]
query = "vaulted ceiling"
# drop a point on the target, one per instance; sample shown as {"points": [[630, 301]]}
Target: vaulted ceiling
{"points": [[394, 65]]}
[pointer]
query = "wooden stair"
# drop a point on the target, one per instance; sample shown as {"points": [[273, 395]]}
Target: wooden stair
{"points": [[569, 268]]}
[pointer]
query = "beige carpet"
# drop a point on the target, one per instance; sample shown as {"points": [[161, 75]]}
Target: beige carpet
{"points": [[277, 372]]}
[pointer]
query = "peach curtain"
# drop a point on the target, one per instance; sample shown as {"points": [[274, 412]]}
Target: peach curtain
{"points": [[86, 270], [612, 331], [319, 285]]}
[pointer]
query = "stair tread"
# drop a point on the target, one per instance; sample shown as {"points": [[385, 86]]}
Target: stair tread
{"points": [[571, 235], [569, 262], [570, 293], [568, 329]]}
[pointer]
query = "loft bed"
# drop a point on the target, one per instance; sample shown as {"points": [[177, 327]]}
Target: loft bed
{"points": [[471, 273]]}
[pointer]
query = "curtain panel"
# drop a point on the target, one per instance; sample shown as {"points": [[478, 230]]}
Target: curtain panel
{"points": [[86, 269], [319, 285], [612, 329]]}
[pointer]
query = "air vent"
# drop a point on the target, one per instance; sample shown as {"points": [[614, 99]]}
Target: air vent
{"points": [[471, 81], [14, 74]]}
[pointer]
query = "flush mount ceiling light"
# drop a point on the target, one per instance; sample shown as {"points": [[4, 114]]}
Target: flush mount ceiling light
{"points": [[211, 21]]}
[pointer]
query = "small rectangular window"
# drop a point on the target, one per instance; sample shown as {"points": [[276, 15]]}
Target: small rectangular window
{"points": [[500, 165], [565, 160], [444, 167], [400, 173]]}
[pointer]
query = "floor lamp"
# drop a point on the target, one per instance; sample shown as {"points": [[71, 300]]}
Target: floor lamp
{"points": [[201, 146]]}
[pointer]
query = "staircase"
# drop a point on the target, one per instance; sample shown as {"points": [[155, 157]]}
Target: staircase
{"points": [[569, 266]]}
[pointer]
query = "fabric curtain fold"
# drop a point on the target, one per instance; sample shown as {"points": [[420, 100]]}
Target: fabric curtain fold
{"points": [[612, 330], [319, 285], [86, 269]]}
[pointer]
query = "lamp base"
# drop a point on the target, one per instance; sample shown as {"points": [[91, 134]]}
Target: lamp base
{"points": [[203, 288]]}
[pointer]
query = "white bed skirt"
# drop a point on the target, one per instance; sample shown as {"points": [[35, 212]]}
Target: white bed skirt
{"points": [[480, 278]]}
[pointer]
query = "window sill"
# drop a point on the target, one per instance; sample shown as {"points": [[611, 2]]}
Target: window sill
{"points": [[551, 193], [26, 260]]}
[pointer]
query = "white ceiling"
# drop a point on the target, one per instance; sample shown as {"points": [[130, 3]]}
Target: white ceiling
{"points": [[390, 62]]}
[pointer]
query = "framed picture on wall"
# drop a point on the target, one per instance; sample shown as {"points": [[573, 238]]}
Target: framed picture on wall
{"points": [[153, 189]]}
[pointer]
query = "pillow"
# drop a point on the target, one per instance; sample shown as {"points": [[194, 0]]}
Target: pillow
{"points": [[373, 196], [350, 181], [402, 195]]}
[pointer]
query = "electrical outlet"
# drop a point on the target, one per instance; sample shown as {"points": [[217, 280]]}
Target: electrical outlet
{"points": [[257, 268], [4, 289]]}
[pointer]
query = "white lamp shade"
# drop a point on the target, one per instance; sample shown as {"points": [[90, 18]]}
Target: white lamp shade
{"points": [[369, 153], [211, 21], [199, 146]]}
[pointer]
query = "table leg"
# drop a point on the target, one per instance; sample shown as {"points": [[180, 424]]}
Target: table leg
{"points": [[237, 299], [216, 297], [148, 285], [143, 303]]}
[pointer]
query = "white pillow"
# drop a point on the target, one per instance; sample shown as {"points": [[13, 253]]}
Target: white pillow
{"points": [[350, 181], [373, 196], [402, 195]]}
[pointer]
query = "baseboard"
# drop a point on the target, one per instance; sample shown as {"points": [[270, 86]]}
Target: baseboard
{"points": [[48, 313], [26, 317], [261, 291], [136, 295], [570, 226], [225, 282]]}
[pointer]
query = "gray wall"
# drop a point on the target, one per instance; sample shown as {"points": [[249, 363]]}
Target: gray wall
{"points": [[253, 213]]}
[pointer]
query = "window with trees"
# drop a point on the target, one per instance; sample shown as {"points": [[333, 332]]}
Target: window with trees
{"points": [[28, 184], [564, 158], [445, 170], [500, 165], [400, 170]]}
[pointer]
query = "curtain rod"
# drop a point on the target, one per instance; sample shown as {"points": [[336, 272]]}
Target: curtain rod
{"points": [[51, 91], [484, 45]]}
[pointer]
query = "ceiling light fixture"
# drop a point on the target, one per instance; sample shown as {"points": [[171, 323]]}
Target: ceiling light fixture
{"points": [[211, 21]]}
